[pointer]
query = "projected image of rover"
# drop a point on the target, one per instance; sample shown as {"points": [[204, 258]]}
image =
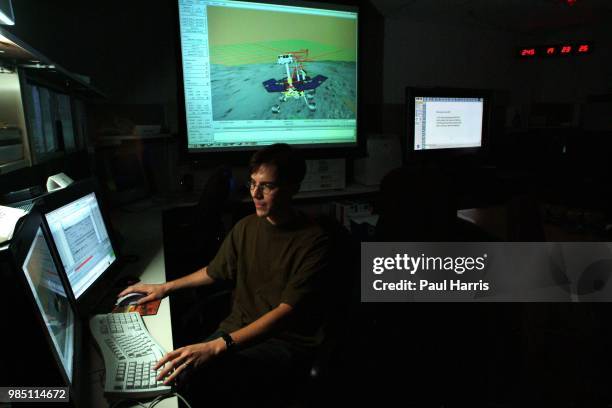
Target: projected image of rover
{"points": [[297, 84]]}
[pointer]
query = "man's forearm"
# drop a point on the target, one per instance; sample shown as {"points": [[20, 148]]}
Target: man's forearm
{"points": [[263, 326], [197, 278]]}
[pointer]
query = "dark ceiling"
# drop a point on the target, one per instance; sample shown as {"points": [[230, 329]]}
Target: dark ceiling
{"points": [[520, 16]]}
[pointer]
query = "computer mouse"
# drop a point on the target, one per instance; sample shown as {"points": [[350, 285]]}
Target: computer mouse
{"points": [[130, 299]]}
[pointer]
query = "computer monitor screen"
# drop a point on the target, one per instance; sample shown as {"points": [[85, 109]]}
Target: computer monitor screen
{"points": [[51, 300], [82, 241], [448, 122], [255, 74]]}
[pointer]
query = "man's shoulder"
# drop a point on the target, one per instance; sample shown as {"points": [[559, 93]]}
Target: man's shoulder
{"points": [[247, 221], [312, 228]]}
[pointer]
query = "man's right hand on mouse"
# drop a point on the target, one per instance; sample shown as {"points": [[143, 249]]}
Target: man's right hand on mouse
{"points": [[152, 291]]}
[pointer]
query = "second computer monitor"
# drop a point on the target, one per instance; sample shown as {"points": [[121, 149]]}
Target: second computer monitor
{"points": [[45, 291], [446, 119], [51, 300], [81, 237]]}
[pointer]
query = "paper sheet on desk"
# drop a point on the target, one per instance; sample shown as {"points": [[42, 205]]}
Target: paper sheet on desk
{"points": [[8, 219], [147, 309]]}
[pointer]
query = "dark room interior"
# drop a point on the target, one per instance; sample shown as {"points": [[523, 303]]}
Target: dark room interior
{"points": [[120, 80]]}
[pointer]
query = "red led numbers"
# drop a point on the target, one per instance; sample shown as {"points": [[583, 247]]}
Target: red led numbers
{"points": [[528, 52], [546, 51], [583, 48]]}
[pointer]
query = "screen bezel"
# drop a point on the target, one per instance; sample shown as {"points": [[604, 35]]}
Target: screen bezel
{"points": [[92, 295], [413, 92], [20, 247], [240, 155]]}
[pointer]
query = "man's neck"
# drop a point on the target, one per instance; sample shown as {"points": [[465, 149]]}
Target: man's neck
{"points": [[281, 219]]}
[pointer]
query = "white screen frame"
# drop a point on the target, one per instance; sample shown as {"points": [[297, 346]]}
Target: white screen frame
{"points": [[448, 113], [77, 210], [239, 135]]}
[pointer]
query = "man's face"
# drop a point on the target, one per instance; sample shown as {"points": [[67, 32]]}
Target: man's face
{"points": [[270, 198]]}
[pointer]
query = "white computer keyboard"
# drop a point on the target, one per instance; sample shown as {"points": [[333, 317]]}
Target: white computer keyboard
{"points": [[129, 354]]}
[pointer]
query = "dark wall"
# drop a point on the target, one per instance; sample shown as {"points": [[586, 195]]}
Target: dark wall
{"points": [[575, 79], [127, 48]]}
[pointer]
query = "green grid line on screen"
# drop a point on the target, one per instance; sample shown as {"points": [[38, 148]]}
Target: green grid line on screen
{"points": [[268, 51]]}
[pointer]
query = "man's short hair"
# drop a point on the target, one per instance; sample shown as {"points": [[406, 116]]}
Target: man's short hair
{"points": [[290, 164]]}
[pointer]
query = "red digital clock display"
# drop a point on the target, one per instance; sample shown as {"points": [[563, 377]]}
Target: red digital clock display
{"points": [[555, 50]]}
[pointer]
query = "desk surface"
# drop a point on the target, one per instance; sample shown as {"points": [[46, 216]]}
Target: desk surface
{"points": [[142, 233], [494, 220]]}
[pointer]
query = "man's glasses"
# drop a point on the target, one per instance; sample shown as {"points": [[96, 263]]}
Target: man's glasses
{"points": [[265, 188]]}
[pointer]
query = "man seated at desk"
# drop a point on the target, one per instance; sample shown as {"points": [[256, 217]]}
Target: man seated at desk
{"points": [[277, 259]]}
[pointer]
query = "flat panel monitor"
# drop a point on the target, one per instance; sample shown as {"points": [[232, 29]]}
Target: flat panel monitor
{"points": [[46, 292], [80, 236], [446, 120], [255, 74], [51, 299]]}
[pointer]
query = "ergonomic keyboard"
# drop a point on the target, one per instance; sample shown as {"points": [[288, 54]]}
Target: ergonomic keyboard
{"points": [[25, 206], [129, 354]]}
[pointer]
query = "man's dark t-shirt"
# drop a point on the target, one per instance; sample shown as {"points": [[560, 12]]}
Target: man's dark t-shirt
{"points": [[271, 265]]}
